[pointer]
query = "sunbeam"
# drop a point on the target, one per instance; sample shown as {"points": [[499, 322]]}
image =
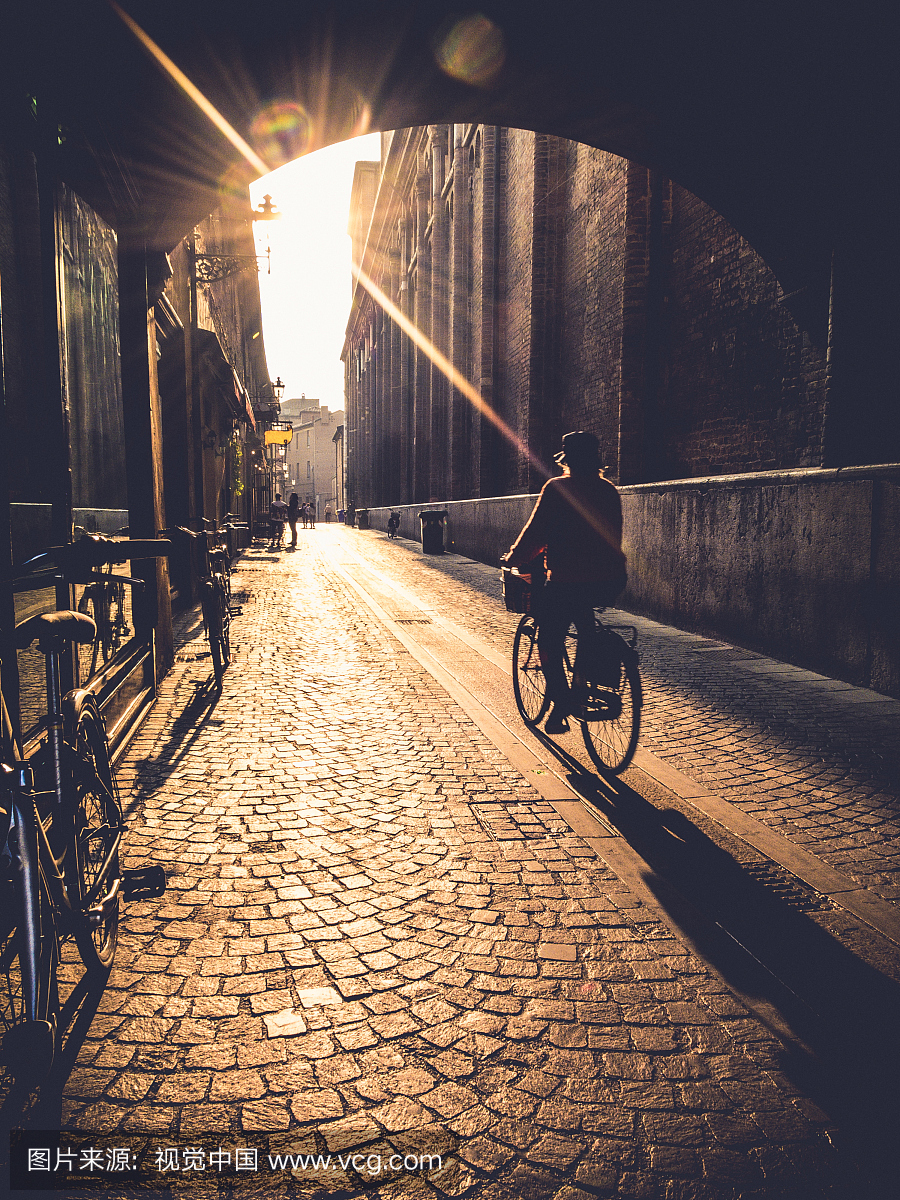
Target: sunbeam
{"points": [[446, 367], [193, 92]]}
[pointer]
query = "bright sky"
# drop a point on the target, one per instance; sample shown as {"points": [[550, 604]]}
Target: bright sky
{"points": [[306, 299]]}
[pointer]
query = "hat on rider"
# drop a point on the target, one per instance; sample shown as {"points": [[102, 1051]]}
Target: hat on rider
{"points": [[579, 448]]}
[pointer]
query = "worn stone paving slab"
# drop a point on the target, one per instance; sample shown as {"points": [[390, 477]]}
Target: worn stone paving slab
{"points": [[815, 759], [352, 950]]}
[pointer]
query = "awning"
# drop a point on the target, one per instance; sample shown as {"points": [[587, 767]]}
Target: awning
{"points": [[212, 356]]}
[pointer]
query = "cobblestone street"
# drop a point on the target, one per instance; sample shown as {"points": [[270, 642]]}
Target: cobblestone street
{"points": [[377, 934]]}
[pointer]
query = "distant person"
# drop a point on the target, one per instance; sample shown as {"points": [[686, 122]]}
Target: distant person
{"points": [[393, 524], [304, 512], [312, 514], [350, 518], [576, 526], [278, 512], [328, 513], [293, 516]]}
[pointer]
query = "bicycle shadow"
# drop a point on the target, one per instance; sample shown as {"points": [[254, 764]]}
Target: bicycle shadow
{"points": [[756, 925], [184, 730]]}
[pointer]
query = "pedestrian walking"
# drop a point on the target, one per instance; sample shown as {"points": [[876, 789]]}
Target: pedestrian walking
{"points": [[293, 516], [328, 513], [304, 513], [312, 514], [278, 511]]}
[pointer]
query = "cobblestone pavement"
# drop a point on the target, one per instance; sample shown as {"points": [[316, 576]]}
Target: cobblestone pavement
{"points": [[815, 759], [376, 932]]}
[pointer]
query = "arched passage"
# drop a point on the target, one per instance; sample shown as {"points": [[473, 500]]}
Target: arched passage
{"points": [[774, 115]]}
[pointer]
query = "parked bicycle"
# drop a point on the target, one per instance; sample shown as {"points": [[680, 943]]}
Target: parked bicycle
{"points": [[61, 826], [104, 601], [215, 599], [219, 551], [603, 680]]}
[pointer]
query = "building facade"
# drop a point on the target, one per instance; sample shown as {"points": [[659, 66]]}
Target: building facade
{"points": [[514, 286], [131, 379], [570, 289], [311, 467]]}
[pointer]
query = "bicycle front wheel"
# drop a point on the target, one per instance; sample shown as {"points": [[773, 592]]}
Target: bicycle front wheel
{"points": [[611, 719], [529, 681], [92, 861]]}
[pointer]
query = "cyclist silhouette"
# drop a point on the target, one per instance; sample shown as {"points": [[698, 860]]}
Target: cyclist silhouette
{"points": [[576, 526]]}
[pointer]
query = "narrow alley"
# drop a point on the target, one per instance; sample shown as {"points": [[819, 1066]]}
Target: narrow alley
{"points": [[407, 938]]}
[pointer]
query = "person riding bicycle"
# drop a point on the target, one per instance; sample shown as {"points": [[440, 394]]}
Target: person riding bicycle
{"points": [[393, 524], [577, 526]]}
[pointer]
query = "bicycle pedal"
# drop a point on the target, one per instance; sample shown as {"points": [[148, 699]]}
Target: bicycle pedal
{"points": [[143, 883], [235, 610]]}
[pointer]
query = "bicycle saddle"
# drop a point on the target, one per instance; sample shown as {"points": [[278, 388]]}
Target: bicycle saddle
{"points": [[48, 629]]}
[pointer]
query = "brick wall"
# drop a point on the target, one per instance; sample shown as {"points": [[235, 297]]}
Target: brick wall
{"points": [[744, 389], [574, 290], [591, 295]]}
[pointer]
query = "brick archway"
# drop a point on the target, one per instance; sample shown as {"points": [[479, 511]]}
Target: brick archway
{"points": [[773, 115]]}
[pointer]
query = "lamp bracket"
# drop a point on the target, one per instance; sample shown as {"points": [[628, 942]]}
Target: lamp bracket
{"points": [[212, 268]]}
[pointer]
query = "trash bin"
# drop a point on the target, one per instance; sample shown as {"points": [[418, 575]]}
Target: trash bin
{"points": [[433, 530], [362, 518]]}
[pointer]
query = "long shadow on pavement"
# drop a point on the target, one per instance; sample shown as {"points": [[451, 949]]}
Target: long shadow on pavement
{"points": [[759, 935], [185, 729]]}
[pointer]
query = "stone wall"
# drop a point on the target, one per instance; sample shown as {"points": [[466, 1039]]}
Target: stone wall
{"points": [[800, 565]]}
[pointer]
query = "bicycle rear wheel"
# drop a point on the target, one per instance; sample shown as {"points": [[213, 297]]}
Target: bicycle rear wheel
{"points": [[27, 1025], [529, 681], [217, 620], [611, 717], [92, 860]]}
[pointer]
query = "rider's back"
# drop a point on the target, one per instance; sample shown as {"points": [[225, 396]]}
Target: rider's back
{"points": [[578, 523]]}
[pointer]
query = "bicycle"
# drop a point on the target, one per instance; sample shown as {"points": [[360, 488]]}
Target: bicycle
{"points": [[106, 597], [604, 683], [61, 828], [218, 551], [215, 601]]}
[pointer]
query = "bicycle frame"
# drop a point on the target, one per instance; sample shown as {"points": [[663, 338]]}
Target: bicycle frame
{"points": [[55, 894], [42, 850]]}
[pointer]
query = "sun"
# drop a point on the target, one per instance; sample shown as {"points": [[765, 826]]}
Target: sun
{"points": [[306, 297]]}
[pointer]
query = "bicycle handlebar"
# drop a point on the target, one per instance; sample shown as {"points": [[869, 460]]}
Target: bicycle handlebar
{"points": [[96, 550], [191, 533]]}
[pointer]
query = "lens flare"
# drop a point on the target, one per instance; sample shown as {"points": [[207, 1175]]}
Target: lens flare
{"points": [[472, 51], [281, 132]]}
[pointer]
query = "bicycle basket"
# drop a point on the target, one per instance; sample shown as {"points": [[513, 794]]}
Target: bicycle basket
{"points": [[516, 590]]}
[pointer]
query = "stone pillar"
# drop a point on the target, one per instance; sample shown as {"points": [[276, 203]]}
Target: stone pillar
{"points": [[487, 446], [460, 334], [421, 306], [548, 243], [648, 199], [440, 266], [143, 447]]}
